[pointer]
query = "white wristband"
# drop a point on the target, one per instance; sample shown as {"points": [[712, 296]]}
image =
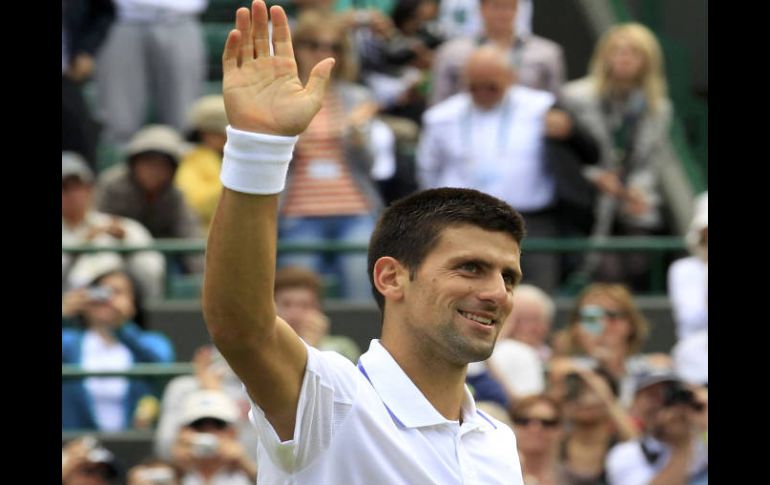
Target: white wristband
{"points": [[256, 163]]}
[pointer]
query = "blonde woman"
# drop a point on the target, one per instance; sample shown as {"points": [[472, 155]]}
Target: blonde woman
{"points": [[623, 103], [606, 331]]}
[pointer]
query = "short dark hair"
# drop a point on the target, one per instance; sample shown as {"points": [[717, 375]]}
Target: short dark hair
{"points": [[410, 227]]}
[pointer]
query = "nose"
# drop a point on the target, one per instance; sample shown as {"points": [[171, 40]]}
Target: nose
{"points": [[495, 290]]}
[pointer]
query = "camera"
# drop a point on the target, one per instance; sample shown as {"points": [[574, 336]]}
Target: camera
{"points": [[574, 384], [99, 293], [205, 445], [156, 476]]}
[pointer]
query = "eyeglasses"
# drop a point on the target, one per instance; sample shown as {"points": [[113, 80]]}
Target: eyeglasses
{"points": [[204, 424], [315, 45], [484, 87], [545, 423], [593, 312]]}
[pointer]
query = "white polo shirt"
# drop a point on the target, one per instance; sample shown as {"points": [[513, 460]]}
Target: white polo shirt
{"points": [[371, 426]]}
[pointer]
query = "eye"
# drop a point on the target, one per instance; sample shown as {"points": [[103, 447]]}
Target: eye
{"points": [[509, 279], [470, 267]]}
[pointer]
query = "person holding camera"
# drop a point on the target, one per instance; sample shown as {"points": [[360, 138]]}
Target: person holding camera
{"points": [[207, 448], [102, 331], [84, 461], [672, 448]]}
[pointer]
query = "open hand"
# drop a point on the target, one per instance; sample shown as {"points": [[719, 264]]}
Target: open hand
{"points": [[262, 91]]}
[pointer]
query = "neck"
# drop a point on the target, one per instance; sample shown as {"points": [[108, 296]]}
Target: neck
{"points": [[103, 331], [504, 39], [72, 220], [441, 382], [538, 464]]}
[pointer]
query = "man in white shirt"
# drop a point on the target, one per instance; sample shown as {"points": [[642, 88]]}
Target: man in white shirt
{"points": [[444, 264]]}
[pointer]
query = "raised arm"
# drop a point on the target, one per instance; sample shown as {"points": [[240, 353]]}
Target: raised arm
{"points": [[262, 95]]}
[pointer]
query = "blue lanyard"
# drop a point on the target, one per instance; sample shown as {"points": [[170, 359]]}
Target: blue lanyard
{"points": [[504, 127]]}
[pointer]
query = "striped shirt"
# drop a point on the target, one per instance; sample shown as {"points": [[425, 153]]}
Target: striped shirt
{"points": [[321, 183]]}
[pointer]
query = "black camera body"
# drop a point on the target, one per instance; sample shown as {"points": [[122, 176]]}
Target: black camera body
{"points": [[676, 393]]}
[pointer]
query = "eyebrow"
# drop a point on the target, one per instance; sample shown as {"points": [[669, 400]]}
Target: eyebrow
{"points": [[507, 270]]}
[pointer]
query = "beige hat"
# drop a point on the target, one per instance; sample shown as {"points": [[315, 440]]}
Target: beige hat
{"points": [[209, 404], [157, 138], [208, 114], [73, 165]]}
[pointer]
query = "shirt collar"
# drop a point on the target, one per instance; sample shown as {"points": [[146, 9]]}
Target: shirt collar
{"points": [[405, 402]]}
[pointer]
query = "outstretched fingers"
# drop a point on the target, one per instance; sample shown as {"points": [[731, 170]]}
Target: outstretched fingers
{"points": [[261, 37], [243, 24], [281, 33], [232, 49]]}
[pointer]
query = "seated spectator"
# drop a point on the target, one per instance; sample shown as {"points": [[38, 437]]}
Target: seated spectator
{"points": [[211, 374], [594, 422], [606, 330], [298, 298], [688, 278], [530, 320], [84, 461], [672, 448], [152, 471], [82, 224], [207, 447], [142, 188], [101, 331], [537, 422], [198, 174]]}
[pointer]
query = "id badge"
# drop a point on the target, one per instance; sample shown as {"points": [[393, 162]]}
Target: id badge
{"points": [[321, 169]]}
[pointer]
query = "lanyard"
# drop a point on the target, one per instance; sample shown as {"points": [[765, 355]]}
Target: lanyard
{"points": [[503, 127]]}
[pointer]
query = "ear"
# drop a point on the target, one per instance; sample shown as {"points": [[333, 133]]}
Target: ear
{"points": [[389, 277]]}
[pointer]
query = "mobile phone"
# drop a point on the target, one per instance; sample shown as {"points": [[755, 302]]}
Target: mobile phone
{"points": [[100, 293]]}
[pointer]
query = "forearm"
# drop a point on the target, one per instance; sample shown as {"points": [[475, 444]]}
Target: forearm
{"points": [[240, 267]]}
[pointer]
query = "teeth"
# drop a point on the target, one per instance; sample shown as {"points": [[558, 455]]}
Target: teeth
{"points": [[476, 318]]}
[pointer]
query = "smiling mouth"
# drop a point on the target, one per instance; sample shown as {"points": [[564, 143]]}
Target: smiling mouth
{"points": [[477, 318]]}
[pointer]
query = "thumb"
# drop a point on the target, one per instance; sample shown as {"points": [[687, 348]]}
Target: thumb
{"points": [[319, 78]]}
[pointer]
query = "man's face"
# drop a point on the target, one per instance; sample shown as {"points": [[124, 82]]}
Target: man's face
{"points": [[487, 82], [461, 294], [528, 321], [295, 304], [537, 428], [498, 16], [153, 172], [75, 197]]}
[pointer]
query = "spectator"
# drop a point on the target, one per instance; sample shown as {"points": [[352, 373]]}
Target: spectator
{"points": [[211, 374], [330, 195], [154, 60], [539, 62], [688, 277], [530, 320], [595, 421], [491, 139], [623, 103], [606, 330], [298, 298], [207, 448], [142, 188], [672, 448], [85, 24], [84, 461], [81, 224], [537, 422], [101, 331], [198, 174], [461, 18]]}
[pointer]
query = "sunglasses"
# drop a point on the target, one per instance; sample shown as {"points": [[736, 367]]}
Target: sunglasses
{"points": [[314, 45], [208, 423], [545, 423], [592, 312], [484, 87]]}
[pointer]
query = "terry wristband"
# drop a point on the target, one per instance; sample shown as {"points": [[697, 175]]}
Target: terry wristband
{"points": [[256, 163]]}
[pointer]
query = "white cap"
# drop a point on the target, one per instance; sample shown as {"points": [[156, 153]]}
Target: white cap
{"points": [[209, 404]]}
